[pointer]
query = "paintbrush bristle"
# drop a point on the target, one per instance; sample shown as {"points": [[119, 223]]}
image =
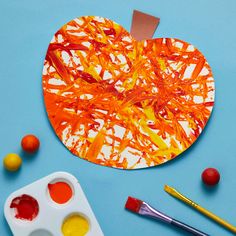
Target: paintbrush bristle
{"points": [[133, 204], [167, 188], [171, 191]]}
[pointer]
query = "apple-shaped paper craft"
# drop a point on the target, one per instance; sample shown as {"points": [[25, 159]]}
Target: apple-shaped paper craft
{"points": [[122, 103]]}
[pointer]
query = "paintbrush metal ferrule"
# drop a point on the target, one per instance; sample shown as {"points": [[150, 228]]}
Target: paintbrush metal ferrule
{"points": [[147, 210]]}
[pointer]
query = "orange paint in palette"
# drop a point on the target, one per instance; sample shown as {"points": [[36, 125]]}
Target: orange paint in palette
{"points": [[60, 192], [29, 211]]}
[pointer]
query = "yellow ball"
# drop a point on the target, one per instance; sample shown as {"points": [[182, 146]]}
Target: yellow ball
{"points": [[12, 162]]}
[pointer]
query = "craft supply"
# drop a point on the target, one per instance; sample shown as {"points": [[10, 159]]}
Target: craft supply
{"points": [[12, 162], [30, 143], [60, 192], [142, 208], [26, 207], [143, 25], [40, 209], [173, 192], [123, 103], [75, 225], [210, 176]]}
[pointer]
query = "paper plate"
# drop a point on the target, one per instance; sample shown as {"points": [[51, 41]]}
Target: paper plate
{"points": [[121, 103]]}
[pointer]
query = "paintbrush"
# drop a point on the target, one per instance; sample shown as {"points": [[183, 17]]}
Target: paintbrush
{"points": [[199, 208], [142, 208]]}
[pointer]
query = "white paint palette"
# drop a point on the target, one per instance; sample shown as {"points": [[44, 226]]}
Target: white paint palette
{"points": [[52, 206]]}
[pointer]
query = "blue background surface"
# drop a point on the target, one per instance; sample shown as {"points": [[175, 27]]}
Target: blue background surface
{"points": [[26, 29]]}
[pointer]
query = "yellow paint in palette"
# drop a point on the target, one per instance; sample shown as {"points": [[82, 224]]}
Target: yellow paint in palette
{"points": [[75, 225]]}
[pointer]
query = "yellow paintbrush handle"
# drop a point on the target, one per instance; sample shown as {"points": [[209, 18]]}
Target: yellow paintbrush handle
{"points": [[173, 192], [216, 218]]}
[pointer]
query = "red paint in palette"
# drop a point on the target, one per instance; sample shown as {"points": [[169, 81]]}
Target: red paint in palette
{"points": [[26, 207]]}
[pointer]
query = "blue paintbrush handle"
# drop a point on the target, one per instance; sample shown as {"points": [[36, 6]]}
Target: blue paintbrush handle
{"points": [[187, 228]]}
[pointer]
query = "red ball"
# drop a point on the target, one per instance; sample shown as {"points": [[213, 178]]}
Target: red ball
{"points": [[211, 176], [30, 143]]}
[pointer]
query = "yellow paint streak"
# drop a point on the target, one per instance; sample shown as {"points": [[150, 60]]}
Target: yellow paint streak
{"points": [[162, 64], [153, 136], [167, 152], [149, 113], [90, 70]]}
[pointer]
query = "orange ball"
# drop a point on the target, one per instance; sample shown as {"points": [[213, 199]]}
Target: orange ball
{"points": [[30, 143]]}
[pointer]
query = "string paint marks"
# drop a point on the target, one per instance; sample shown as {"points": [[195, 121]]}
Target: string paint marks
{"points": [[26, 207], [121, 103], [75, 225], [60, 192]]}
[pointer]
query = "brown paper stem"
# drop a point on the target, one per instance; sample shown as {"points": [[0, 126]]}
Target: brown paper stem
{"points": [[143, 25]]}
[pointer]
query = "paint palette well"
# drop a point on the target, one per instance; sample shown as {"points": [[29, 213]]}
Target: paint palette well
{"points": [[52, 206]]}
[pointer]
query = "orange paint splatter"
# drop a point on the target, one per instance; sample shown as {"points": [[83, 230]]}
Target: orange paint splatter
{"points": [[60, 192], [122, 103]]}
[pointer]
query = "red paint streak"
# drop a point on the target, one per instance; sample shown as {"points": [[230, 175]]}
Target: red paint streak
{"points": [[97, 45], [133, 204], [110, 32], [26, 207], [68, 47], [60, 192], [86, 76]]}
